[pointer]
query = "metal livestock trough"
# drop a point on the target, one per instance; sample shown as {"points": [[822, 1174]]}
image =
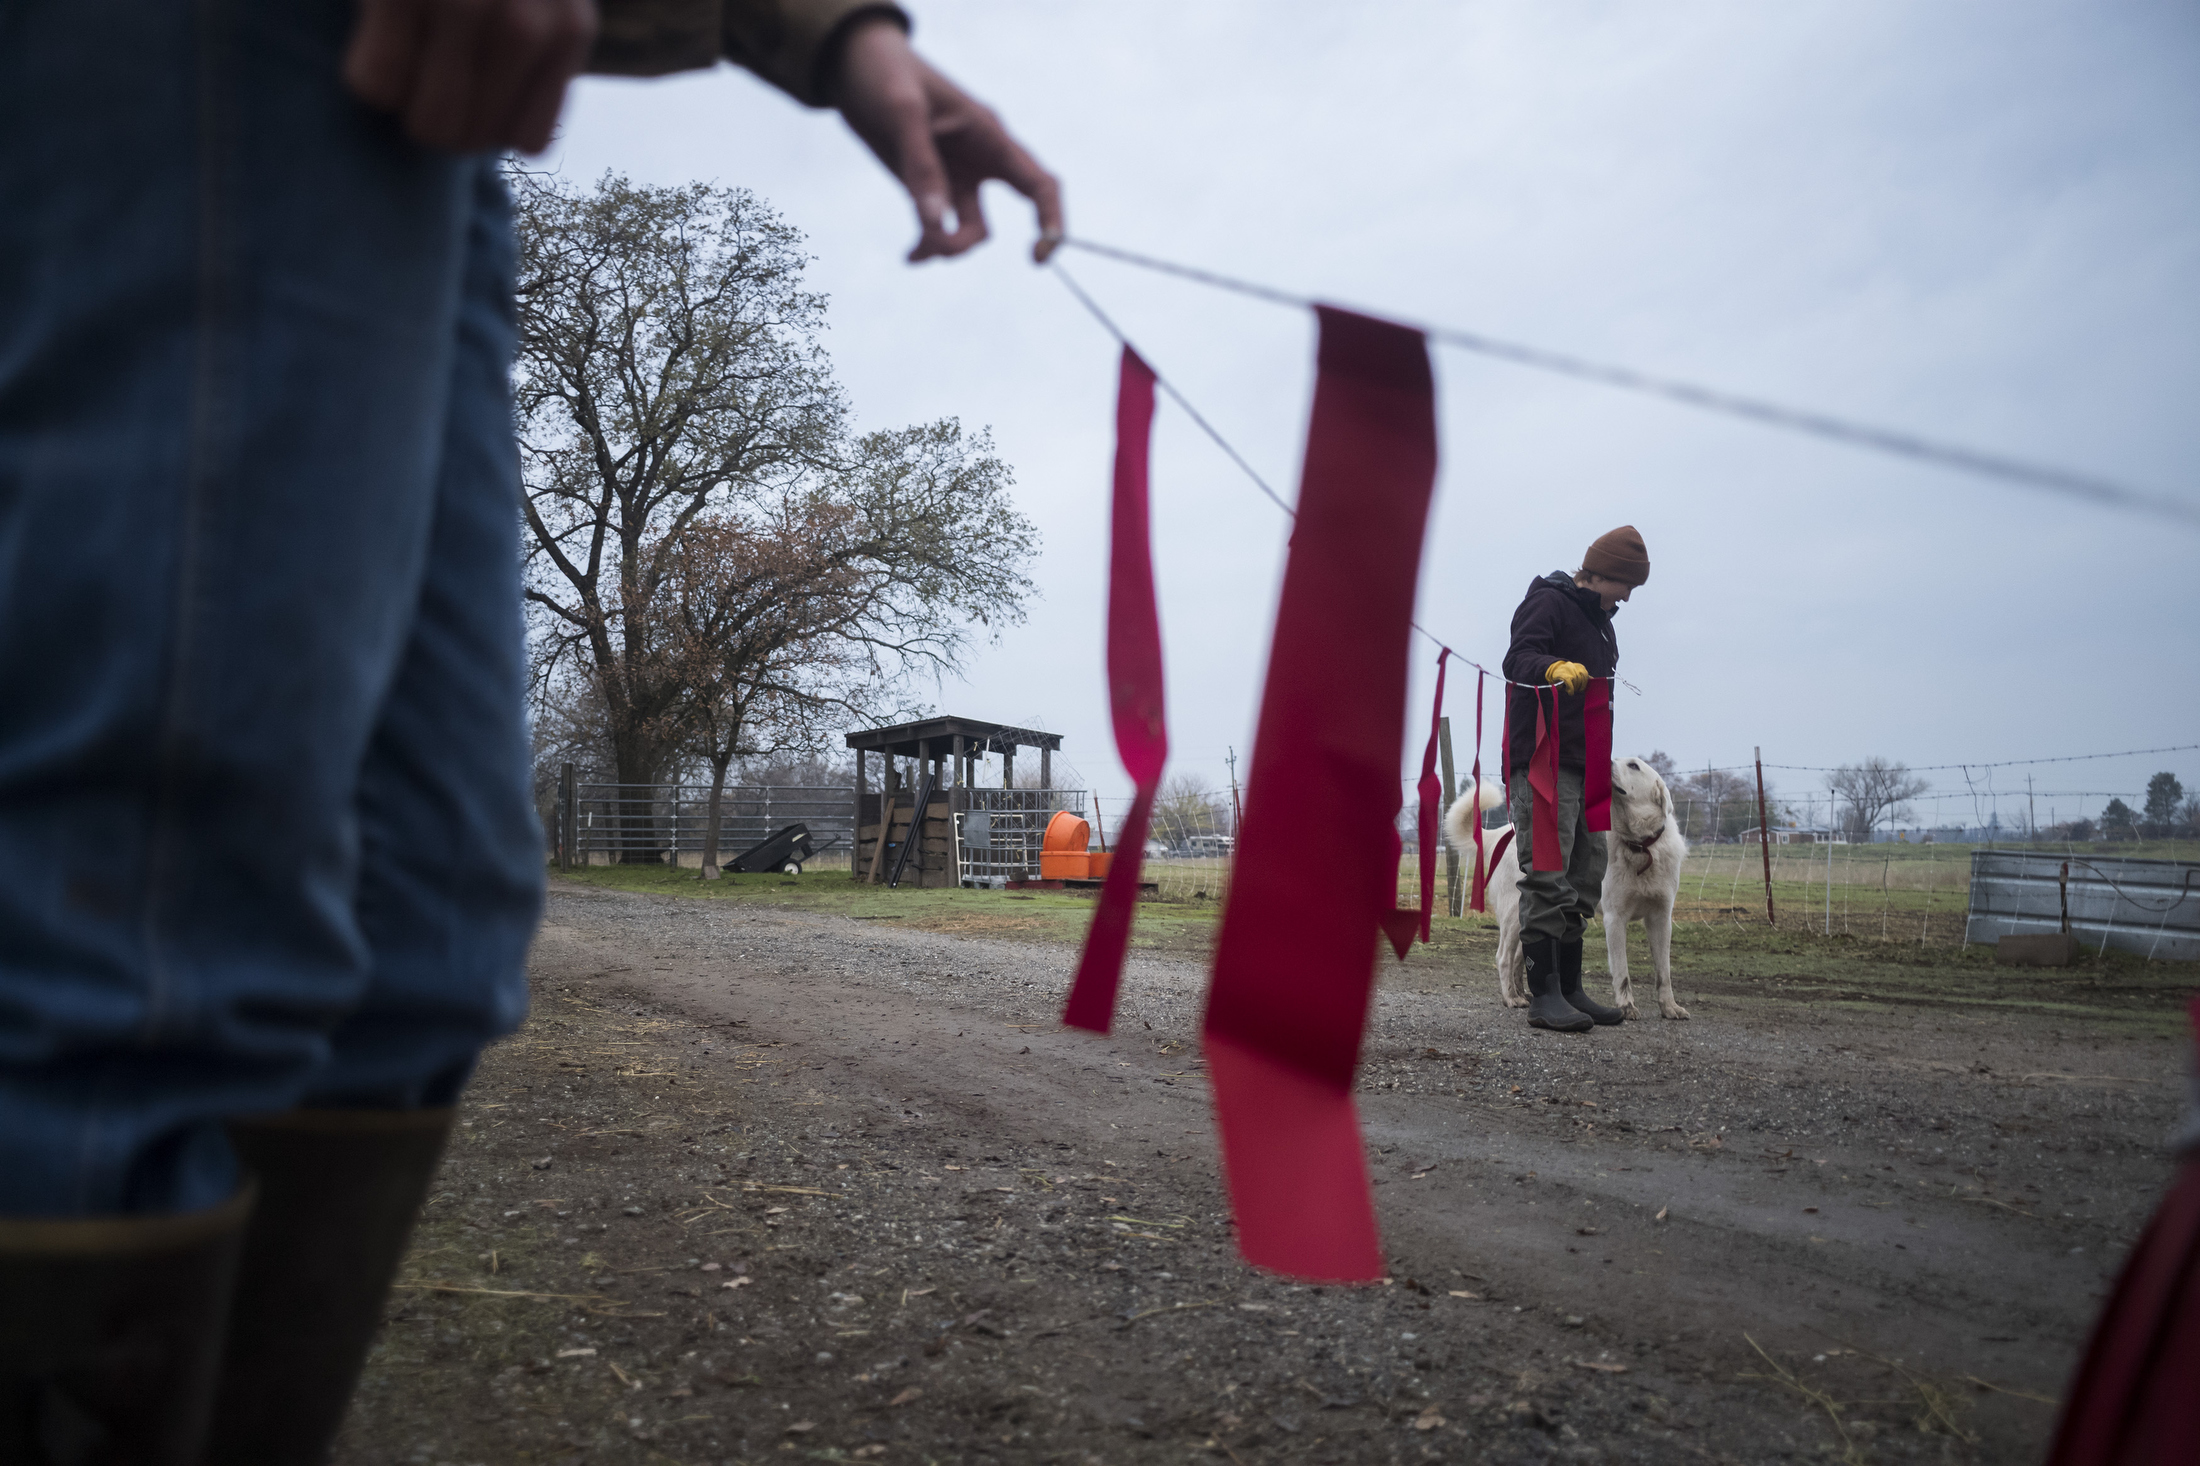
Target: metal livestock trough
{"points": [[2150, 907]]}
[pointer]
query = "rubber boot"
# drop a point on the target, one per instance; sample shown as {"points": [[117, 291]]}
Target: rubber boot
{"points": [[339, 1191], [1546, 1009], [1569, 987], [111, 1335]]}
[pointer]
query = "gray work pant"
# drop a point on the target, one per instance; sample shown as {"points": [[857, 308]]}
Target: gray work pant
{"points": [[1557, 903]]}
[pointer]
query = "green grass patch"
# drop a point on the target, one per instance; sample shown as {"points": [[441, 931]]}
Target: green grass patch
{"points": [[1734, 957]]}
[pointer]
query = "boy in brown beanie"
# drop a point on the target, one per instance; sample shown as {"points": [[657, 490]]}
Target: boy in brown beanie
{"points": [[1562, 635]]}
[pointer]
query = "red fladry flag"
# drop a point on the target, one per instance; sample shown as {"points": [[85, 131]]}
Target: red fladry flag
{"points": [[1480, 878], [1596, 775], [1399, 925], [2134, 1400], [1596, 720], [1543, 786], [1316, 871], [1134, 696], [1432, 793]]}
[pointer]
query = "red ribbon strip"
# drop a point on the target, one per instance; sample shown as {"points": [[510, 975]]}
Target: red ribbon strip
{"points": [[1432, 794], [1480, 878], [1596, 778], [1497, 852], [1543, 784], [2133, 1398], [1294, 967], [1399, 925], [1134, 695]]}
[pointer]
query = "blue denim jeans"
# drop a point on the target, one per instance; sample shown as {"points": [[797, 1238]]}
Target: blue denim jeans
{"points": [[266, 832]]}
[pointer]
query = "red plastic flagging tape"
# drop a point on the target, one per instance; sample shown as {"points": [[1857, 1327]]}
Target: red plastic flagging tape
{"points": [[1134, 697], [1432, 792], [1543, 783], [2133, 1399], [1478, 882], [1294, 965], [1596, 718], [1399, 925]]}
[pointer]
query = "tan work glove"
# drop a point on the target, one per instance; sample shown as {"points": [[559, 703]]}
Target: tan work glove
{"points": [[1572, 674]]}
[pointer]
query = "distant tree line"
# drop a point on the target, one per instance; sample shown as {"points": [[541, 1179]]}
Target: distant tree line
{"points": [[2166, 813]]}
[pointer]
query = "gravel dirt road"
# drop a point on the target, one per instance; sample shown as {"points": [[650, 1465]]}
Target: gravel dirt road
{"points": [[764, 1185]]}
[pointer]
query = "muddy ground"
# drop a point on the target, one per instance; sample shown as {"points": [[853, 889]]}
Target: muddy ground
{"points": [[759, 1184]]}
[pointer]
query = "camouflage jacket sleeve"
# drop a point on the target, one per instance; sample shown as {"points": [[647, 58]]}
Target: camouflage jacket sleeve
{"points": [[786, 42]]}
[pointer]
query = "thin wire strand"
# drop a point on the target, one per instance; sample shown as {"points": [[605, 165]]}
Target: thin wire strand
{"points": [[1710, 399], [1175, 396], [2009, 763], [1108, 322]]}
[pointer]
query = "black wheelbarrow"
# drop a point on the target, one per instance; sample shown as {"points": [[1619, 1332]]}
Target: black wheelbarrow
{"points": [[783, 850]]}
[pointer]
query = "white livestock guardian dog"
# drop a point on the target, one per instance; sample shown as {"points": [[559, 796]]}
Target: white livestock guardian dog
{"points": [[1642, 876]]}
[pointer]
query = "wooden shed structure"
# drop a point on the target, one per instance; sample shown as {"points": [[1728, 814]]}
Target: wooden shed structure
{"points": [[969, 832]]}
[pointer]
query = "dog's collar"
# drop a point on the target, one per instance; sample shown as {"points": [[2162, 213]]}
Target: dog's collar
{"points": [[1642, 848]]}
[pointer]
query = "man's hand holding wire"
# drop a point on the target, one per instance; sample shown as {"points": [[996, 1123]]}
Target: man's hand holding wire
{"points": [[937, 140]]}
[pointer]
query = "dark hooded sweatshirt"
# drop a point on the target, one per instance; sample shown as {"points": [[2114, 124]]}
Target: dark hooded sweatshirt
{"points": [[1557, 621]]}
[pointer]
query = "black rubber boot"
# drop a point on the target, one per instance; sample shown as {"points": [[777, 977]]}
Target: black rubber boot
{"points": [[111, 1334], [1569, 987], [339, 1190], [1546, 1009]]}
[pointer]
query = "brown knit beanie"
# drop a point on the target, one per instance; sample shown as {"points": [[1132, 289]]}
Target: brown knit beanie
{"points": [[1620, 556]]}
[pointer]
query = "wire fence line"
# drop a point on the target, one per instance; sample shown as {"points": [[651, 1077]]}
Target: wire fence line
{"points": [[1898, 895], [1896, 442], [1917, 898]]}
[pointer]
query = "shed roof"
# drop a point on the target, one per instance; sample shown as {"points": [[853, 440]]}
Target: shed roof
{"points": [[933, 738]]}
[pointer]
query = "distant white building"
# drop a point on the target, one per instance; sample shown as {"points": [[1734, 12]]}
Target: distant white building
{"points": [[1794, 835]]}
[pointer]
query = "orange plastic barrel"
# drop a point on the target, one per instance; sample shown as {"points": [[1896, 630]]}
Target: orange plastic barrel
{"points": [[1062, 852]]}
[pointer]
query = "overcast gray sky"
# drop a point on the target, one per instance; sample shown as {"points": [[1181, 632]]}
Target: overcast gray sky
{"points": [[1978, 221]]}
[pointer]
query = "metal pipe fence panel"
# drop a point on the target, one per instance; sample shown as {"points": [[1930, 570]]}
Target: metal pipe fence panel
{"points": [[1000, 831], [613, 822], [2149, 907]]}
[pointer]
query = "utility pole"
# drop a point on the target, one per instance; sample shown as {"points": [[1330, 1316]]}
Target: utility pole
{"points": [[2031, 812]]}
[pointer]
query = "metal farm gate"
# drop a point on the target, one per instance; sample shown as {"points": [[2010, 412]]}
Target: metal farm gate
{"points": [[602, 824], [2150, 907]]}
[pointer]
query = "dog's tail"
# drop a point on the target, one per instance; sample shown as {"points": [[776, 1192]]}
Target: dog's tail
{"points": [[1459, 820]]}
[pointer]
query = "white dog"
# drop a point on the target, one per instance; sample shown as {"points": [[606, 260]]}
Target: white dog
{"points": [[1642, 876]]}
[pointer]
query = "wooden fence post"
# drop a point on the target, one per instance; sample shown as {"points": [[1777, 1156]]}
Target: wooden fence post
{"points": [[1764, 836], [568, 817], [889, 791]]}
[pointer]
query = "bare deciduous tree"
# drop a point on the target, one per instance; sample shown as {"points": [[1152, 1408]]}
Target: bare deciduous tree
{"points": [[1871, 791], [1187, 805], [785, 616], [1715, 805], [677, 413]]}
